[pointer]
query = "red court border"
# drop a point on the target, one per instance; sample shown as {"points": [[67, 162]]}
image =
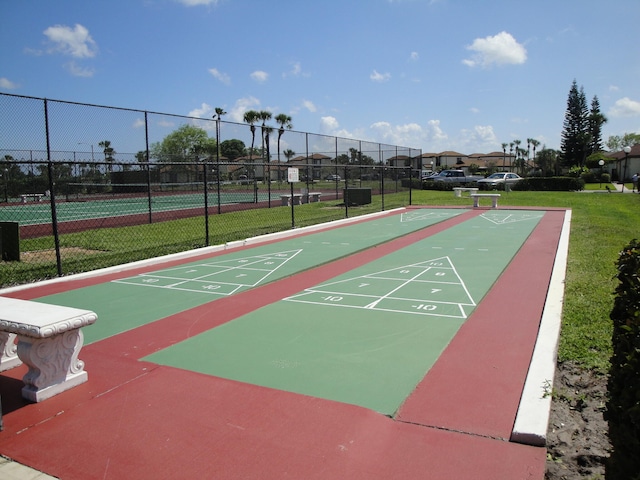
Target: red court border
{"points": [[478, 381]]}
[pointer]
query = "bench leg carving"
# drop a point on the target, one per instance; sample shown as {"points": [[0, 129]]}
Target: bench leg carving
{"points": [[53, 364], [8, 351]]}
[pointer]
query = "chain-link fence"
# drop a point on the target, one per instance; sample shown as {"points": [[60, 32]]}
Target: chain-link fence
{"points": [[84, 186]]}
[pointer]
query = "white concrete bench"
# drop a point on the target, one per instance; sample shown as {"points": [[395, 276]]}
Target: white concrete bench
{"points": [[457, 191], [35, 196], [493, 196], [49, 341], [313, 197], [286, 199]]}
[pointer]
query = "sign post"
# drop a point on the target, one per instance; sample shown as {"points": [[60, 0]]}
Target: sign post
{"points": [[292, 177]]}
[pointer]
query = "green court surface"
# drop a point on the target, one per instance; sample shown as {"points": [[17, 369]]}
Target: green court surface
{"points": [[131, 302], [87, 208], [369, 336]]}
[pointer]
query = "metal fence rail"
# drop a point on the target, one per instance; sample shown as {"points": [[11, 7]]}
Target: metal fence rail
{"points": [[72, 201]]}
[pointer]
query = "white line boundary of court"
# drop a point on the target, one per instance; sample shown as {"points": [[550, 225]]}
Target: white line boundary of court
{"points": [[532, 418], [201, 251]]}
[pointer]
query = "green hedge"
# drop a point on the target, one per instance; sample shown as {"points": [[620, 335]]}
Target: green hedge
{"points": [[440, 186], [550, 184], [623, 406]]}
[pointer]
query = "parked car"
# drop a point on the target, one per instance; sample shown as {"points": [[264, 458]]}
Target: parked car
{"points": [[500, 178], [452, 176], [332, 178]]}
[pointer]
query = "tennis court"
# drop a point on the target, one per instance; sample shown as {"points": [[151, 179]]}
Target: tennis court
{"points": [[316, 355], [75, 208]]}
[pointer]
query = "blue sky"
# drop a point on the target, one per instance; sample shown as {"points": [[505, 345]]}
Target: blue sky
{"points": [[463, 75]]}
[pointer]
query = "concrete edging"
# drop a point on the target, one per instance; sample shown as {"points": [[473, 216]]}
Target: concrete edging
{"points": [[532, 418]]}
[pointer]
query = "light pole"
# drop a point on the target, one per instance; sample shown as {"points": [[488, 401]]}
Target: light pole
{"points": [[91, 145], [626, 151], [601, 163]]}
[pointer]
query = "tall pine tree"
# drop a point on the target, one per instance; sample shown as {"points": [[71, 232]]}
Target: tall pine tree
{"points": [[575, 132], [596, 120]]}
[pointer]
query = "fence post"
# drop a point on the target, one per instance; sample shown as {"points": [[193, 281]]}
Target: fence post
{"points": [[382, 184], [206, 204], [146, 136], [52, 194]]}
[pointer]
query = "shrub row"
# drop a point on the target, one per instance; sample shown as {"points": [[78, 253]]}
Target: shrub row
{"points": [[623, 405], [550, 184]]}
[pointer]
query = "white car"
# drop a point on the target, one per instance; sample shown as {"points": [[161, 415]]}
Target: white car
{"points": [[500, 178]]}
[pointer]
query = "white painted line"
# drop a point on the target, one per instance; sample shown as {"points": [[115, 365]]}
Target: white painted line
{"points": [[532, 419]]}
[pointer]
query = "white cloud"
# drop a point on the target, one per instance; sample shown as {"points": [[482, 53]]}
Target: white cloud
{"points": [[7, 84], [218, 75], [501, 49], [309, 105], [259, 76], [138, 123], [296, 71], [625, 107], [195, 3], [414, 57], [480, 138], [78, 71], [236, 113], [406, 135], [380, 77], [71, 41], [328, 124], [474, 110], [205, 111]]}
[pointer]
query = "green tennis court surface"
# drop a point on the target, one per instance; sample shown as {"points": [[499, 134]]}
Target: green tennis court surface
{"points": [[369, 336], [131, 302], [87, 208]]}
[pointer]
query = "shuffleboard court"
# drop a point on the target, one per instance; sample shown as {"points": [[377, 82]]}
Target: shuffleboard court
{"points": [[130, 302], [369, 336], [300, 375]]}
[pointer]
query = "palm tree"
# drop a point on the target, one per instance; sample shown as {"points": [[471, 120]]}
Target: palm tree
{"points": [[263, 115], [535, 143], [218, 117], [510, 155], [108, 152], [504, 153], [289, 154], [284, 121], [517, 150], [251, 117]]}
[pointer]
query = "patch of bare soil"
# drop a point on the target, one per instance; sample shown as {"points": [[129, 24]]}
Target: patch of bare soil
{"points": [[42, 256], [577, 438]]}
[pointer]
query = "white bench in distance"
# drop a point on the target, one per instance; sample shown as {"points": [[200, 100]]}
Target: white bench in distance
{"points": [[457, 191], [49, 341], [35, 196], [314, 196], [493, 196], [286, 199]]}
